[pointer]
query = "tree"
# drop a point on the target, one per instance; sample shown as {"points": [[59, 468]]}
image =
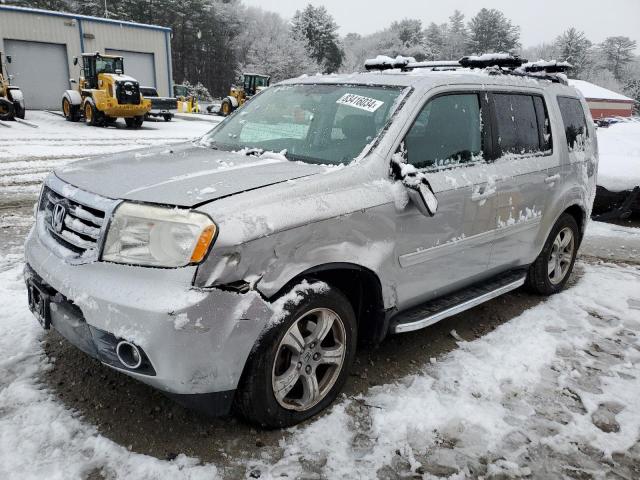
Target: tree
{"points": [[409, 32], [56, 5], [573, 46], [617, 52], [457, 37], [632, 89], [434, 41], [490, 31], [319, 31], [270, 49]]}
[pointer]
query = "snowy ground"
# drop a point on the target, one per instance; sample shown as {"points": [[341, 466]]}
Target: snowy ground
{"points": [[619, 146], [536, 388]]}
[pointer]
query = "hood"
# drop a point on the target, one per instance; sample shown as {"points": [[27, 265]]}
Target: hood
{"points": [[184, 175]]}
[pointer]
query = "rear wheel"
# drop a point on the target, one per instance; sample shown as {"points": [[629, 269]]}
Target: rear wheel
{"points": [[300, 365], [226, 108], [552, 269], [70, 112], [167, 118], [19, 110], [6, 109]]}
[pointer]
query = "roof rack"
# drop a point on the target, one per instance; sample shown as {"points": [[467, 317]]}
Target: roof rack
{"points": [[495, 63]]}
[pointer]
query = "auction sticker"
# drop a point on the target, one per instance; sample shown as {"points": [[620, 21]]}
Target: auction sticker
{"points": [[358, 101]]}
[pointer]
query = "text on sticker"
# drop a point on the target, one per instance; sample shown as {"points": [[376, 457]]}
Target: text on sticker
{"points": [[358, 101]]}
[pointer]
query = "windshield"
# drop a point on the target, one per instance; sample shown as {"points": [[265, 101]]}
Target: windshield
{"points": [[326, 124], [109, 65]]}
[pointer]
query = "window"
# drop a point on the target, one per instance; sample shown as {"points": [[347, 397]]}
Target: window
{"points": [[313, 123], [517, 124], [575, 125], [447, 132]]}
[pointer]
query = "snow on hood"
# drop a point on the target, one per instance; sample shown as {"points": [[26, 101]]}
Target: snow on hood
{"points": [[184, 175]]}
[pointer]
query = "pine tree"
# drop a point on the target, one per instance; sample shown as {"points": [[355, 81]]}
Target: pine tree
{"points": [[573, 46], [435, 42], [318, 29], [632, 89], [490, 31], [457, 37], [409, 32], [617, 52]]}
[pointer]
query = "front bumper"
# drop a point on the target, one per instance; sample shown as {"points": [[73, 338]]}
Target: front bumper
{"points": [[196, 341]]}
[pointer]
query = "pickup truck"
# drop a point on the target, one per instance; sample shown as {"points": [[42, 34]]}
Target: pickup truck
{"points": [[160, 106]]}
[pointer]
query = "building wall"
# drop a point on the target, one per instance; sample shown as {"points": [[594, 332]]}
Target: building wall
{"points": [[84, 34], [609, 108]]}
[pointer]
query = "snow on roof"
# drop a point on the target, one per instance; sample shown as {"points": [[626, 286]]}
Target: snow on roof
{"points": [[593, 92]]}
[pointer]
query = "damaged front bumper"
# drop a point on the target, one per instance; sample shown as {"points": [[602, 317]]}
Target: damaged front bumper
{"points": [[194, 342]]}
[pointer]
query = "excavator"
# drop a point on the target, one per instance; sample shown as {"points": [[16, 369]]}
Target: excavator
{"points": [[11, 98]]}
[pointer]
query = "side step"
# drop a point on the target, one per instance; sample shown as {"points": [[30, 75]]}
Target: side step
{"points": [[435, 310]]}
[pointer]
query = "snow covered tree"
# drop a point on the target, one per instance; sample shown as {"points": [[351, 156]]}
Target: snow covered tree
{"points": [[269, 48], [198, 90], [435, 42], [457, 37], [632, 90], [617, 52], [55, 5], [317, 28], [490, 31], [573, 46], [409, 32]]}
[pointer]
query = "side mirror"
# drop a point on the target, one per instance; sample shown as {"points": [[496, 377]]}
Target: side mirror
{"points": [[423, 198], [8, 58], [75, 60]]}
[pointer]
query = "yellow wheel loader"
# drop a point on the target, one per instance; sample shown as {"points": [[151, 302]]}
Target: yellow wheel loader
{"points": [[187, 103], [104, 93], [11, 98], [252, 83]]}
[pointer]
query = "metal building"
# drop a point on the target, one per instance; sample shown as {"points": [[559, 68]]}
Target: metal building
{"points": [[42, 45]]}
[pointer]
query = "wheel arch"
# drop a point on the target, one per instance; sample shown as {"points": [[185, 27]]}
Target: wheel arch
{"points": [[360, 285], [73, 97]]}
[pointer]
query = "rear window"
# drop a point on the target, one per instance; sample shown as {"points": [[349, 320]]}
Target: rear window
{"points": [[575, 124], [522, 124]]}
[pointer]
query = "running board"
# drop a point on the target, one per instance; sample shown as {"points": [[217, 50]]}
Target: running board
{"points": [[432, 312]]}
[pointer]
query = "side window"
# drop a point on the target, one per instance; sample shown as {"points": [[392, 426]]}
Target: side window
{"points": [[575, 125], [544, 126], [447, 132], [516, 123]]}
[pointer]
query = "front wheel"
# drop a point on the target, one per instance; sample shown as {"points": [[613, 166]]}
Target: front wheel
{"points": [[226, 108], [91, 114], [551, 270], [6, 109], [300, 365]]}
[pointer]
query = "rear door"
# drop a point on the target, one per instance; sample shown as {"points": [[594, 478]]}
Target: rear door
{"points": [[527, 171], [450, 250]]}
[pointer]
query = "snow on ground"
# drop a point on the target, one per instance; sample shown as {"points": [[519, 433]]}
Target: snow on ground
{"points": [[619, 147], [27, 154], [554, 392]]}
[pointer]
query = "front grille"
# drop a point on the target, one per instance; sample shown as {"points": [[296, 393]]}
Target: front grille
{"points": [[75, 226], [128, 92]]}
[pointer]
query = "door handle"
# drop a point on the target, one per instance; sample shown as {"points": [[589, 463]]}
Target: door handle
{"points": [[552, 179]]}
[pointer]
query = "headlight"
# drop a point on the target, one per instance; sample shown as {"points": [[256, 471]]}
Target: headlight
{"points": [[157, 236]]}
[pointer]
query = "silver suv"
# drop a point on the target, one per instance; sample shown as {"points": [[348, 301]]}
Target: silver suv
{"points": [[242, 269]]}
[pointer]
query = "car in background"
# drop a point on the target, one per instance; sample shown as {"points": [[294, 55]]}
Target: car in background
{"points": [[163, 107]]}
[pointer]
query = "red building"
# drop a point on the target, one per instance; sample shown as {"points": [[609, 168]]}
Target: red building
{"points": [[603, 102]]}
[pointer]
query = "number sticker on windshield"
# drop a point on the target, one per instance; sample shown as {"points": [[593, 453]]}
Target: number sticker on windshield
{"points": [[358, 101]]}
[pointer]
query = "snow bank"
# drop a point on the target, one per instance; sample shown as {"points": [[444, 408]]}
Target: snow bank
{"points": [[619, 147]]}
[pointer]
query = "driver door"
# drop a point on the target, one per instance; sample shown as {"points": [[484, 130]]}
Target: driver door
{"points": [[452, 249]]}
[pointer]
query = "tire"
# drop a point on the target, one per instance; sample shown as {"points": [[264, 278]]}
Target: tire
{"points": [[552, 269], [70, 112], [19, 110], [134, 122], [167, 118], [272, 357], [91, 115], [226, 108], [6, 109]]}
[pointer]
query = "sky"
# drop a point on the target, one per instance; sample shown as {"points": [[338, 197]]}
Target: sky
{"points": [[539, 20]]}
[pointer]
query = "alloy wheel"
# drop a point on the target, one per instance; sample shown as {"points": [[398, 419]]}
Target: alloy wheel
{"points": [[309, 359], [561, 256]]}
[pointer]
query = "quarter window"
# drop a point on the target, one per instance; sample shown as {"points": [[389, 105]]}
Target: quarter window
{"points": [[447, 132], [518, 129], [575, 125]]}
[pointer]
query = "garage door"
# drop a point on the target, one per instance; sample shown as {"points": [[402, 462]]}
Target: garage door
{"points": [[41, 70], [140, 66]]}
